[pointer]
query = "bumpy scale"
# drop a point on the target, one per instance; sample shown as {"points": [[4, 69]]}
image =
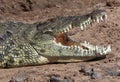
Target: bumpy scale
{"points": [[47, 42]]}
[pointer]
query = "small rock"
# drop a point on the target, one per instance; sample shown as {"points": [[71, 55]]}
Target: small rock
{"points": [[91, 73], [115, 3], [58, 79], [85, 71], [113, 71], [55, 79], [95, 75], [19, 77]]}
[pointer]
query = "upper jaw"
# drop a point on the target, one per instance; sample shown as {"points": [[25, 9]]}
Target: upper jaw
{"points": [[83, 21], [85, 47]]}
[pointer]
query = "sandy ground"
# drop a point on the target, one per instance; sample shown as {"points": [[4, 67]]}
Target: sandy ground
{"points": [[105, 33]]}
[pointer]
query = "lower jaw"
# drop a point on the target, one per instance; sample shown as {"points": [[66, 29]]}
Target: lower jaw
{"points": [[75, 59]]}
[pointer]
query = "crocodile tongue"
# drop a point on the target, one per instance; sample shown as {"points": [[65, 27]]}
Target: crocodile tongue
{"points": [[66, 41], [62, 40]]}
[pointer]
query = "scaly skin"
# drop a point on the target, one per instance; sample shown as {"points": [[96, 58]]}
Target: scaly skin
{"points": [[47, 42]]}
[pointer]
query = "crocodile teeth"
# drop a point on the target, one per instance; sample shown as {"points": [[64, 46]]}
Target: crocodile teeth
{"points": [[79, 49], [108, 49], [102, 50], [85, 42], [64, 30], [84, 24], [101, 18], [59, 44], [94, 20], [96, 48], [75, 47], [67, 29], [97, 19], [81, 26], [88, 22], [86, 52], [65, 47], [72, 47], [87, 45], [70, 26], [105, 17]]}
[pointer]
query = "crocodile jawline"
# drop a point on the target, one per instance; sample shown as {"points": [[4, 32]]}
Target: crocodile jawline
{"points": [[24, 44]]}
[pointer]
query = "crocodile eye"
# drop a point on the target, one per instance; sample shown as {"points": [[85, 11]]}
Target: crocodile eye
{"points": [[42, 50], [48, 32], [9, 33]]}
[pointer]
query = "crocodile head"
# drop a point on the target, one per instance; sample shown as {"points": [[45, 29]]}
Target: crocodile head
{"points": [[33, 44], [52, 41]]}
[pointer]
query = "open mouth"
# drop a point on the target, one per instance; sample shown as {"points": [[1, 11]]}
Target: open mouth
{"points": [[62, 39]]}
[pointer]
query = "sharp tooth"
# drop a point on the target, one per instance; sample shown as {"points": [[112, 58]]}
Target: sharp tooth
{"points": [[105, 16], [67, 29], [94, 20], [63, 46], [78, 47], [108, 49], [75, 47], [54, 41], [101, 18], [84, 24], [89, 22], [71, 47], [105, 50], [86, 52], [85, 42], [70, 26], [59, 44], [81, 26], [97, 19], [68, 47], [96, 48], [61, 31], [101, 51]]}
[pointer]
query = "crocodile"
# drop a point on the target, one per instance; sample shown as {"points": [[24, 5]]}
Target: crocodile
{"points": [[24, 44]]}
